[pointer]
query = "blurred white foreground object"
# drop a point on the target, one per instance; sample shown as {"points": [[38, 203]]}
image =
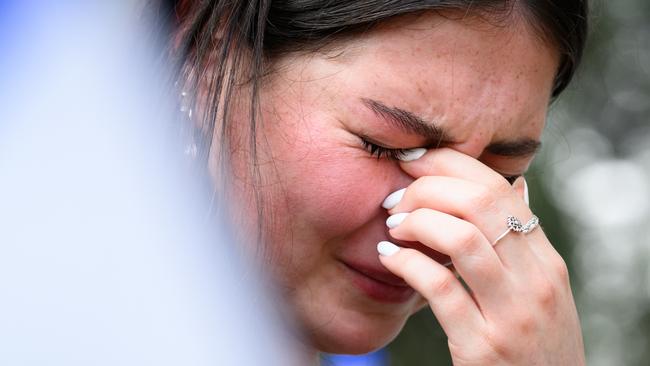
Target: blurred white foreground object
{"points": [[106, 257]]}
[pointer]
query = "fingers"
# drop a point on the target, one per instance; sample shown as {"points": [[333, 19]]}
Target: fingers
{"points": [[452, 305], [519, 296], [486, 203], [542, 248], [471, 253], [485, 209], [521, 187], [474, 202], [449, 162]]}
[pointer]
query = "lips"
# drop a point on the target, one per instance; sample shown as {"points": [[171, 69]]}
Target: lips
{"points": [[361, 265], [378, 284], [380, 275]]}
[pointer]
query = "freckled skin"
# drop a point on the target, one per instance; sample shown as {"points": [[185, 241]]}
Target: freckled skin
{"points": [[481, 82]]}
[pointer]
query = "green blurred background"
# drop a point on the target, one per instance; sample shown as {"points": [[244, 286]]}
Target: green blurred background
{"points": [[590, 186]]}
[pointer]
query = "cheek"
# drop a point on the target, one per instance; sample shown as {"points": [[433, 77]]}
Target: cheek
{"points": [[333, 189], [329, 185]]}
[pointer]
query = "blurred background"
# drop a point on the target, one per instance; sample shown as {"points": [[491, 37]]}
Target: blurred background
{"points": [[590, 186]]}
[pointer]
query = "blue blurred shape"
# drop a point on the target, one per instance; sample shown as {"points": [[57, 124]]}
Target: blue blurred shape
{"points": [[377, 358]]}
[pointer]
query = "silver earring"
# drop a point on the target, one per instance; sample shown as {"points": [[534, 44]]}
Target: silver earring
{"points": [[187, 126]]}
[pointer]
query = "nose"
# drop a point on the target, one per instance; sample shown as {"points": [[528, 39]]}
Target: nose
{"points": [[397, 179]]}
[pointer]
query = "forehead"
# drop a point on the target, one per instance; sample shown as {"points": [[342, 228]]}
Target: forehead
{"points": [[495, 77]]}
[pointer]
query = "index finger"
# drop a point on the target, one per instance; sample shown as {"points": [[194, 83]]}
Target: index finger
{"points": [[449, 162]]}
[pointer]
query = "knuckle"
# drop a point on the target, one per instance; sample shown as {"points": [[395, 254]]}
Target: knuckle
{"points": [[479, 353], [468, 233], [546, 295], [500, 344], [442, 285], [484, 268], [456, 308], [560, 269], [469, 239], [482, 199], [502, 187], [469, 248], [506, 339], [525, 325]]}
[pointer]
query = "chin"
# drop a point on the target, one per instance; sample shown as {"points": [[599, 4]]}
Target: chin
{"points": [[338, 317], [353, 333]]}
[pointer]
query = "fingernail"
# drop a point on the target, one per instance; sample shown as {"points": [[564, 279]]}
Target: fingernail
{"points": [[393, 199], [526, 198], [393, 221], [387, 248], [412, 154]]}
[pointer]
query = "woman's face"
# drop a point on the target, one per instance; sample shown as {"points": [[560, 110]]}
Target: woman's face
{"points": [[423, 81]]}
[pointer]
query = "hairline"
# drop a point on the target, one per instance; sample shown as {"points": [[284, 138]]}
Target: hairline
{"points": [[338, 45]]}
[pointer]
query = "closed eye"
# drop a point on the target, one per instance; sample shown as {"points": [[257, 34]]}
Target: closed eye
{"points": [[381, 151], [396, 154]]}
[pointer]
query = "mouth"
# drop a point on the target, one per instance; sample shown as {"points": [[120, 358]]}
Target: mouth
{"points": [[379, 285]]}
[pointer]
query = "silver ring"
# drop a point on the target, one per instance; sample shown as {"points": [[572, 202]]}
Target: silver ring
{"points": [[516, 226]]}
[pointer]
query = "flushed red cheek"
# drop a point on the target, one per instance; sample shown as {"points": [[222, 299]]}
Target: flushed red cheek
{"points": [[336, 195]]}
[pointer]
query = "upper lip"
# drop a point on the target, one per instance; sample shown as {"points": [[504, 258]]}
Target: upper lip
{"points": [[377, 274]]}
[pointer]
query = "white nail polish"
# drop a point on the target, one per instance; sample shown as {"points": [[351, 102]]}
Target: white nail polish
{"points": [[526, 198], [393, 199], [387, 248], [393, 221], [412, 154]]}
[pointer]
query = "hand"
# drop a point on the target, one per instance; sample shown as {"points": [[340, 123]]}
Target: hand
{"points": [[519, 310]]}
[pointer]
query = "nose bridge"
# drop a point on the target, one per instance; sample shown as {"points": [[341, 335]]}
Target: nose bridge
{"points": [[472, 145], [402, 179], [474, 125], [471, 148], [480, 136]]}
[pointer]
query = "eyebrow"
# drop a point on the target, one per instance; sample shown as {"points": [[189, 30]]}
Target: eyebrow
{"points": [[405, 120], [411, 123], [523, 147]]}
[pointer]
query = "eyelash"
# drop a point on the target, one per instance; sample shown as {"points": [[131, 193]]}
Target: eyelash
{"points": [[382, 152], [396, 154]]}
